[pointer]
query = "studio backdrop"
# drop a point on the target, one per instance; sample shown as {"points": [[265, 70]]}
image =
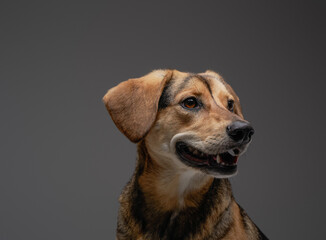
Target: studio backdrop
{"points": [[63, 163]]}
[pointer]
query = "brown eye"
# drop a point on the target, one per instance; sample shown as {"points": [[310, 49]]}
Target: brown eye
{"points": [[190, 103], [231, 105]]}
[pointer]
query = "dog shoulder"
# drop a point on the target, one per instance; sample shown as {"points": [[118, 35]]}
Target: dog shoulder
{"points": [[244, 227]]}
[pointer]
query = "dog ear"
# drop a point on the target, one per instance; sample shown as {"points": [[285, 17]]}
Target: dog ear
{"points": [[212, 73], [133, 104]]}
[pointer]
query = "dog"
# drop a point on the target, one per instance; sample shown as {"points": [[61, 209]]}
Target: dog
{"points": [[190, 132]]}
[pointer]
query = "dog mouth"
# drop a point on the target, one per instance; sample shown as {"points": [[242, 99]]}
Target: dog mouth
{"points": [[223, 162]]}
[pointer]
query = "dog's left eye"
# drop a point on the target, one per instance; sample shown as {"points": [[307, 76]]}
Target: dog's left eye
{"points": [[190, 103], [231, 105]]}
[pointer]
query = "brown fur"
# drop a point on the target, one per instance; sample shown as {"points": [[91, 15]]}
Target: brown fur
{"points": [[166, 199]]}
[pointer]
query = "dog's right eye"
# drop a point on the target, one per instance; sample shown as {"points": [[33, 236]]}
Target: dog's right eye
{"points": [[231, 105], [190, 103]]}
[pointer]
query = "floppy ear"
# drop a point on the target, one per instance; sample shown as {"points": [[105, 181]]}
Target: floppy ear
{"points": [[133, 104]]}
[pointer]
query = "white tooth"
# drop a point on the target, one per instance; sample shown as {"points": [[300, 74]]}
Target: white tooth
{"points": [[231, 152], [218, 159], [195, 152]]}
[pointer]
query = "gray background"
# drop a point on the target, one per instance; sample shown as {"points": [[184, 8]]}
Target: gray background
{"points": [[62, 161]]}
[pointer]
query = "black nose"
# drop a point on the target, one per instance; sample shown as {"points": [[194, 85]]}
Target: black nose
{"points": [[240, 131]]}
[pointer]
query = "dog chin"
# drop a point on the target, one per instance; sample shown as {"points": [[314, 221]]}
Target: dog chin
{"points": [[222, 175]]}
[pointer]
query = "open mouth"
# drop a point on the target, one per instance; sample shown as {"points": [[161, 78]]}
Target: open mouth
{"points": [[222, 163]]}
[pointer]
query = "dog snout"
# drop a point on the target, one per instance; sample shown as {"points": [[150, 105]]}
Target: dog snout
{"points": [[240, 132]]}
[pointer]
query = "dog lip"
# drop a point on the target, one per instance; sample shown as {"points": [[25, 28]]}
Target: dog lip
{"points": [[223, 163], [192, 154]]}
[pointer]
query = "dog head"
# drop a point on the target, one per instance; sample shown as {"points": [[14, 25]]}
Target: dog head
{"points": [[186, 120]]}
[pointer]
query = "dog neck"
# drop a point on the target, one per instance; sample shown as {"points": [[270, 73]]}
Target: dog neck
{"points": [[171, 188], [156, 208]]}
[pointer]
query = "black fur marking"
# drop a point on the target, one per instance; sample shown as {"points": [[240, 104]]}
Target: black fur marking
{"points": [[165, 97], [138, 205], [165, 223], [226, 214], [184, 83], [173, 225], [189, 221], [204, 80], [244, 216]]}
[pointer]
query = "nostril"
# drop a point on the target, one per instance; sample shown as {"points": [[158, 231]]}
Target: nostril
{"points": [[237, 135], [240, 131]]}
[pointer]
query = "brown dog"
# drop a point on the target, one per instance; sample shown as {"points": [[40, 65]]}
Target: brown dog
{"points": [[190, 132]]}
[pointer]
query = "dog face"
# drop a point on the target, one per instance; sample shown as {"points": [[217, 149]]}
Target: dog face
{"points": [[188, 121]]}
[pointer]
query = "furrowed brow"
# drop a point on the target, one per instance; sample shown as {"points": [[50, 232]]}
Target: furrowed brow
{"points": [[166, 96], [204, 80]]}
